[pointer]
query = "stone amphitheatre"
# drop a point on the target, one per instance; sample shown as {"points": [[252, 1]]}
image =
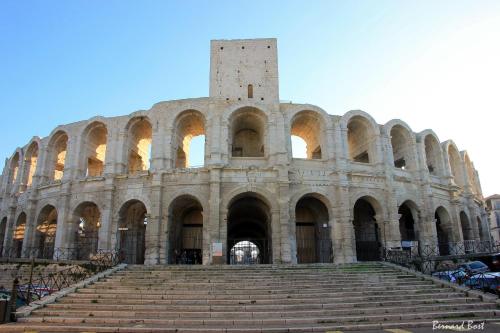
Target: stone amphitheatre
{"points": [[123, 183]]}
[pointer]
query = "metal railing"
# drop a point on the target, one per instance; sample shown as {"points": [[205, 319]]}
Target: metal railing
{"points": [[438, 259], [40, 285], [82, 252]]}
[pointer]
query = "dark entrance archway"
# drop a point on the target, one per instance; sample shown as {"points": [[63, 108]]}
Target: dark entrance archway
{"points": [[407, 230], [132, 232], [185, 231], [312, 231], [85, 230], [366, 230], [443, 228], [249, 220], [45, 236]]}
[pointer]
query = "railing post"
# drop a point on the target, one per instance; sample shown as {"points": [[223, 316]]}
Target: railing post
{"points": [[30, 283], [13, 300]]}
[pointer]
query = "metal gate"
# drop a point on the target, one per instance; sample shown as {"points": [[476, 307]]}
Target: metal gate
{"points": [[133, 246], [248, 251]]}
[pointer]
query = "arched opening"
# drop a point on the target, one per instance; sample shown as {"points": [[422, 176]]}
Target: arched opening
{"points": [[471, 175], [139, 145], [408, 214], [18, 236], [402, 148], [312, 231], [307, 126], [466, 227], [85, 230], [189, 131], [456, 165], [30, 162], [250, 91], [94, 149], [480, 228], [248, 130], [366, 231], [185, 231], [57, 160], [249, 220], [132, 232], [360, 140], [443, 230], [3, 230], [14, 168], [433, 155], [244, 253], [45, 234]]}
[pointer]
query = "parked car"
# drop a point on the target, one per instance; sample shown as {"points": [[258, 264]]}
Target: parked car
{"points": [[489, 281], [473, 267], [451, 276], [491, 260]]}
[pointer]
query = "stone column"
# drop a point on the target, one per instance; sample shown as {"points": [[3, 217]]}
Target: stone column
{"points": [[107, 228], [155, 221], [216, 223]]}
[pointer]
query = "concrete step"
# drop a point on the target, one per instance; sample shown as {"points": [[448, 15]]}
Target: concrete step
{"points": [[264, 305], [141, 328], [257, 312], [258, 299], [262, 322]]}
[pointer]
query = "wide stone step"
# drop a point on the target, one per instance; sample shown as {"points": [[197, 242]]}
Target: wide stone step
{"points": [[262, 305], [202, 293], [261, 299], [257, 312], [263, 282], [141, 328], [264, 287], [264, 322]]}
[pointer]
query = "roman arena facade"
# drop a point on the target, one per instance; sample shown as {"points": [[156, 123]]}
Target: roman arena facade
{"points": [[124, 183]]}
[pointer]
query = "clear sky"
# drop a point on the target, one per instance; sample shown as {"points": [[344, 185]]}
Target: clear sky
{"points": [[434, 64]]}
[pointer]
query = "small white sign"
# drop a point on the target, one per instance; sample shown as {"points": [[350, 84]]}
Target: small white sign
{"points": [[217, 249]]}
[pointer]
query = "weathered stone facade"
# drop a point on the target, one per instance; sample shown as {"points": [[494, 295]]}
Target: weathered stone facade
{"points": [[122, 182]]}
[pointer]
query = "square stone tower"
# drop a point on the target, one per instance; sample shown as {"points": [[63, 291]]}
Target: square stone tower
{"points": [[244, 69]]}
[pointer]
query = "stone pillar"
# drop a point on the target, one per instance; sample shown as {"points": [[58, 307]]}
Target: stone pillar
{"points": [[344, 240], [31, 224], [276, 236], [9, 230], [155, 221], [64, 220], [107, 227], [284, 218], [216, 224]]}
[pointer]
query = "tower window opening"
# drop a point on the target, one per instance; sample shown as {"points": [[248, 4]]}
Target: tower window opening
{"points": [[250, 91]]}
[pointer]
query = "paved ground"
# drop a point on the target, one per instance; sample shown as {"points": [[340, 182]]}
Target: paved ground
{"points": [[488, 327]]}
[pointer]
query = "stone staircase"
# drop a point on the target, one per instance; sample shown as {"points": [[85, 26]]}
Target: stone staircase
{"points": [[302, 298]]}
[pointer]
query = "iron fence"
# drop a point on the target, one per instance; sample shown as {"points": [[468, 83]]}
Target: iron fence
{"points": [[439, 259]]}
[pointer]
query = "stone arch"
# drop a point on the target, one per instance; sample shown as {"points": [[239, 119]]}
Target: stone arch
{"points": [[248, 132], [187, 125], [480, 229], [30, 162], [18, 236], [402, 143], [45, 232], [3, 233], [433, 153], [455, 162], [131, 231], [444, 230], [362, 136], [84, 230], [309, 126], [14, 165], [257, 191], [185, 230], [367, 229], [139, 139], [57, 153], [313, 229], [249, 229], [471, 174], [93, 149], [465, 225], [408, 221]]}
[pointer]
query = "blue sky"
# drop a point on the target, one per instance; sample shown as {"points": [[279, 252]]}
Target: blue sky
{"points": [[434, 64]]}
